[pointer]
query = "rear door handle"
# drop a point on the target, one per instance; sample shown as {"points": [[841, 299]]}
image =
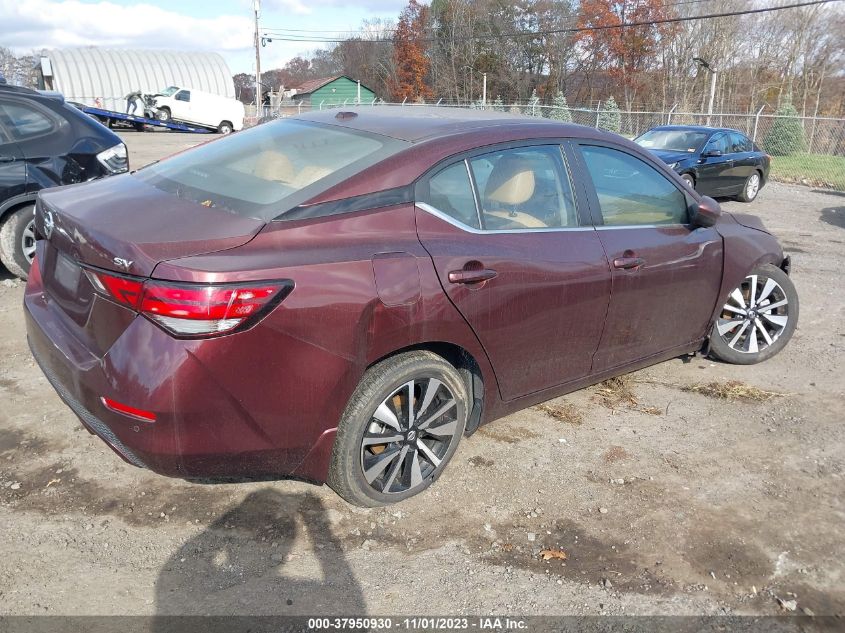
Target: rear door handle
{"points": [[471, 276], [627, 263], [7, 159]]}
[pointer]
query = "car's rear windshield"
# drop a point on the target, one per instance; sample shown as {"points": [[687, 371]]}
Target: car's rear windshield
{"points": [[672, 140], [267, 170]]}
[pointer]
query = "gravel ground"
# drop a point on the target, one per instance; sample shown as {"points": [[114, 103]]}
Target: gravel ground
{"points": [[665, 502]]}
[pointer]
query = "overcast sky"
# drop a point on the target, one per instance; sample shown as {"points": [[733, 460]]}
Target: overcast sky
{"points": [[225, 26]]}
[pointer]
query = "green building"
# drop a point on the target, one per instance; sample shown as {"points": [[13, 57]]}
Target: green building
{"points": [[333, 91]]}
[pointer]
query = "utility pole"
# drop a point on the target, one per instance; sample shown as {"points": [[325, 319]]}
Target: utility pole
{"points": [[256, 5], [713, 72], [484, 91]]}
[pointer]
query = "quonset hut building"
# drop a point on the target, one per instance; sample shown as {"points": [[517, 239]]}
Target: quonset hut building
{"points": [[102, 77]]}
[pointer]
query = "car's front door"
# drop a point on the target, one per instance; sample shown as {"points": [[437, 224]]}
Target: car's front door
{"points": [[714, 171], [666, 273], [523, 267], [182, 106]]}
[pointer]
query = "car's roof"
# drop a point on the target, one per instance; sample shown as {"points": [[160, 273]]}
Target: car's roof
{"points": [[696, 128], [418, 123]]}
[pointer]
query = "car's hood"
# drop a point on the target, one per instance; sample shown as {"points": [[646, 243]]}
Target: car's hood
{"points": [[121, 223], [669, 156], [750, 221]]}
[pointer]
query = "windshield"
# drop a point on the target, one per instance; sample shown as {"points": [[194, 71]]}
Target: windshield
{"points": [[169, 91], [672, 140], [269, 169]]}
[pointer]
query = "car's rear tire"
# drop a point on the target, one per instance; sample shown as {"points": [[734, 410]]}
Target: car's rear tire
{"points": [[758, 319], [687, 178], [225, 127], [751, 187], [17, 240], [163, 115], [381, 454]]}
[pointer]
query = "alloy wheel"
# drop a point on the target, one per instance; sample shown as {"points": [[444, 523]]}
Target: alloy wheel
{"points": [[754, 316], [752, 186], [409, 435], [28, 241]]}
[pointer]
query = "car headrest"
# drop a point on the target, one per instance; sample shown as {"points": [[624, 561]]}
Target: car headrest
{"points": [[272, 165], [511, 181]]}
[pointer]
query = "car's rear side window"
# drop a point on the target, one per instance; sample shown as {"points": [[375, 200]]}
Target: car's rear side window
{"points": [[524, 188], [271, 168], [450, 191], [25, 122], [630, 191], [739, 143]]}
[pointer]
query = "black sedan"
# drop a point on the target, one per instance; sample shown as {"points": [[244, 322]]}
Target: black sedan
{"points": [[714, 161]]}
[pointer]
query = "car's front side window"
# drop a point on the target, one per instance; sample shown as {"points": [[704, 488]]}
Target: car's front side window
{"points": [[719, 143], [631, 192]]}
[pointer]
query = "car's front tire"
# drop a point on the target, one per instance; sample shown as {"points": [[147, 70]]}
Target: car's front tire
{"points": [[758, 319], [163, 115], [17, 240], [225, 128], [386, 450], [751, 187]]}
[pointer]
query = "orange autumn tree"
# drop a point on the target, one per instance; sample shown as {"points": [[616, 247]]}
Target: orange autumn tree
{"points": [[625, 52], [409, 53]]}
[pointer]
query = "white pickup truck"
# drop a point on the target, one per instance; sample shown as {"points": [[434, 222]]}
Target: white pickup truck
{"points": [[200, 108]]}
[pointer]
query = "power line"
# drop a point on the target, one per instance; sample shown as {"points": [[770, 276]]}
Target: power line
{"points": [[283, 31], [533, 34]]}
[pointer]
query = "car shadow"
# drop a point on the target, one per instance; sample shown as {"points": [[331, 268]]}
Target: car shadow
{"points": [[830, 192], [834, 216], [273, 554]]}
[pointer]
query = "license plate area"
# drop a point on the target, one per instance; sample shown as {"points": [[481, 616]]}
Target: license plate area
{"points": [[66, 274]]}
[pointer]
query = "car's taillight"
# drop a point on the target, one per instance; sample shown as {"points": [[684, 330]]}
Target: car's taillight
{"points": [[192, 310]]}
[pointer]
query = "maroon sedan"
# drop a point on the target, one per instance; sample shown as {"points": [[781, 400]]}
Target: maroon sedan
{"points": [[341, 296]]}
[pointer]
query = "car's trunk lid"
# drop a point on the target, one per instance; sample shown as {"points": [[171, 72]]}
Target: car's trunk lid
{"points": [[120, 224], [128, 226]]}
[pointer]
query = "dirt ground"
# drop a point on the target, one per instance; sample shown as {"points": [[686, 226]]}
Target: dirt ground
{"points": [[665, 501]]}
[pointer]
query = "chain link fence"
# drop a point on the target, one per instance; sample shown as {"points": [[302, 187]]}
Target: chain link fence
{"points": [[806, 150]]}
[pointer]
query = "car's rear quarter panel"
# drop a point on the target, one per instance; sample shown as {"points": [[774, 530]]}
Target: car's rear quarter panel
{"points": [[295, 371]]}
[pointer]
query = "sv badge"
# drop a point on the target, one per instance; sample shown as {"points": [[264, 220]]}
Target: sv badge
{"points": [[123, 263]]}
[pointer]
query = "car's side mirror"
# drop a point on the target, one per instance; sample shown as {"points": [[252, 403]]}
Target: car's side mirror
{"points": [[712, 153], [706, 213]]}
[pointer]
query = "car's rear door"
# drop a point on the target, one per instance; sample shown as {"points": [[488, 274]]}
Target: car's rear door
{"points": [[12, 166], [518, 258], [666, 273], [745, 160]]}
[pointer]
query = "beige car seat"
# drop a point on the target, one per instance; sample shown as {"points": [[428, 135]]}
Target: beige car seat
{"points": [[511, 183]]}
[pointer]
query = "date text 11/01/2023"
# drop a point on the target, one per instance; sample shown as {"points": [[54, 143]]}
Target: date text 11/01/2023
{"points": [[418, 623]]}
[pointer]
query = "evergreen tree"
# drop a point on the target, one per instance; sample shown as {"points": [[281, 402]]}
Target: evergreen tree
{"points": [[499, 105], [560, 111], [787, 134], [610, 118]]}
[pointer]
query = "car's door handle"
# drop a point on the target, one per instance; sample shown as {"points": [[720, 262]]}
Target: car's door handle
{"points": [[7, 159], [627, 263], [471, 276]]}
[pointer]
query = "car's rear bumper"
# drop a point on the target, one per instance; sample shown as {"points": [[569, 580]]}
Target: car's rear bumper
{"points": [[202, 429]]}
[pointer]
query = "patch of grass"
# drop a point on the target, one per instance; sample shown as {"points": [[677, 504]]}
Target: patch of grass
{"points": [[732, 390], [820, 170], [616, 391], [563, 412]]}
